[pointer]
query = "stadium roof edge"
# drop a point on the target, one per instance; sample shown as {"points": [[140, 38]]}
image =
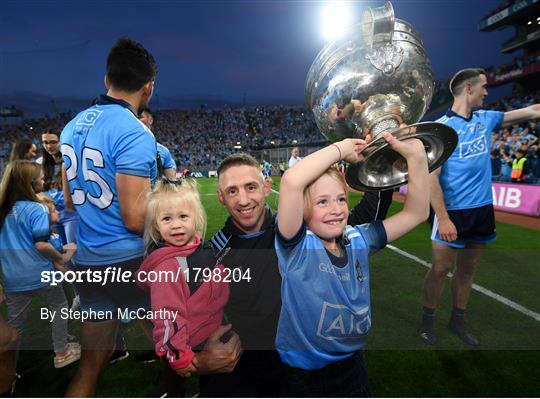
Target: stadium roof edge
{"points": [[508, 16]]}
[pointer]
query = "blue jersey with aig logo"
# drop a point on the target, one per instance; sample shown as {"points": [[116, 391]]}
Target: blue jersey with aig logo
{"points": [[466, 176], [326, 311], [98, 143]]}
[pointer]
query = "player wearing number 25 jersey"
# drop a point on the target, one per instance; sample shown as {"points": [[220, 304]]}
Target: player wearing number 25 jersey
{"points": [[103, 140]]}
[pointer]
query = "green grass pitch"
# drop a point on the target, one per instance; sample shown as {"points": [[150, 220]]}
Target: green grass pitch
{"points": [[506, 364]]}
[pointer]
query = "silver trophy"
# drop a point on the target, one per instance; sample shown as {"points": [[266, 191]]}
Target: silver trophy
{"points": [[377, 78]]}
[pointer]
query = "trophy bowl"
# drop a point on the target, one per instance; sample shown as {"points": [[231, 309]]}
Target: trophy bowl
{"points": [[377, 78]]}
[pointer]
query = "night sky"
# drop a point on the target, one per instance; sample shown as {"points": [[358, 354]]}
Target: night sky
{"points": [[257, 51]]}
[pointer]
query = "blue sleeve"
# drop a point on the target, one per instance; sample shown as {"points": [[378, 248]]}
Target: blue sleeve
{"points": [[166, 157], [294, 241], [290, 252], [374, 235], [135, 153], [39, 222], [496, 118]]}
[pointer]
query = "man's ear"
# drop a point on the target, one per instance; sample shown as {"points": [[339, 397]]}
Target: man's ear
{"points": [[220, 197], [468, 87], [148, 89], [106, 82], [267, 187]]}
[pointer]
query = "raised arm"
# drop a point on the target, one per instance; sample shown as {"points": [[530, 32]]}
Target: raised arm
{"points": [[416, 208], [521, 115], [296, 179]]}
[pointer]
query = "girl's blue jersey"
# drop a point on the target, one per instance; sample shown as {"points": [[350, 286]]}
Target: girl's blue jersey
{"points": [[21, 263], [326, 310]]}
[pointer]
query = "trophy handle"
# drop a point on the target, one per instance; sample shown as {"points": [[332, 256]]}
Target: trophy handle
{"points": [[378, 24], [384, 168]]}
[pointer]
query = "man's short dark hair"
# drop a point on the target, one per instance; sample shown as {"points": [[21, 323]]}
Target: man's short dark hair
{"points": [[471, 75], [237, 160], [130, 66]]}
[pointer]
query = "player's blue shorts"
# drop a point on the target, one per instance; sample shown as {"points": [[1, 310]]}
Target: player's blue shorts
{"points": [[474, 226], [113, 294]]}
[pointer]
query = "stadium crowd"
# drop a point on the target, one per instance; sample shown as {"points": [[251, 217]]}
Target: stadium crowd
{"points": [[517, 63], [520, 138], [199, 139]]}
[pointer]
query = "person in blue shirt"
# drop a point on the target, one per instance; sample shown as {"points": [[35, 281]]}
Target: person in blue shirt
{"points": [[267, 168], [109, 162], [324, 263], [51, 161], [462, 218], [168, 165], [66, 250], [26, 256]]}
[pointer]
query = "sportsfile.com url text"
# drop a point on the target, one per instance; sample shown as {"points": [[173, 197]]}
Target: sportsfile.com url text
{"points": [[117, 275]]}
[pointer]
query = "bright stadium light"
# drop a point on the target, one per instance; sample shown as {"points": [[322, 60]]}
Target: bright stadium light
{"points": [[336, 19]]}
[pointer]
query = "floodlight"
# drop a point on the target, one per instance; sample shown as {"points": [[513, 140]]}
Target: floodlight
{"points": [[336, 19]]}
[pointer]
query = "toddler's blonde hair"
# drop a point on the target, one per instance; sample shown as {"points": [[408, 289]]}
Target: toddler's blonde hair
{"points": [[185, 194]]}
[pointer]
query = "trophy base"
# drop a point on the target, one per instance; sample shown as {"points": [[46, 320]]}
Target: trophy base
{"points": [[384, 168]]}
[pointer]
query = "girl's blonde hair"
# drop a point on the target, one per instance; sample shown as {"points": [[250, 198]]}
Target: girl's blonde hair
{"points": [[186, 194], [308, 199], [16, 185]]}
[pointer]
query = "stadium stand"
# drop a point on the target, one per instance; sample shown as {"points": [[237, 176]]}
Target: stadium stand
{"points": [[200, 138]]}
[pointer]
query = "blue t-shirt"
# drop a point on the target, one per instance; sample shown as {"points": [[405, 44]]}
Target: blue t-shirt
{"points": [[98, 143], [466, 176], [21, 263], [166, 158], [326, 311]]}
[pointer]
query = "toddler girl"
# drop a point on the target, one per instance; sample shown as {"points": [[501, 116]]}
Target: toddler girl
{"points": [[180, 262]]}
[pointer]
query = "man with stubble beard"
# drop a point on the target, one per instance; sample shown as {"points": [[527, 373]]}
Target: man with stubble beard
{"points": [[246, 242]]}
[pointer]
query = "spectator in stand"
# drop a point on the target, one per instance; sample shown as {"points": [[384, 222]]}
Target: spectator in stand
{"points": [[495, 164], [23, 149]]}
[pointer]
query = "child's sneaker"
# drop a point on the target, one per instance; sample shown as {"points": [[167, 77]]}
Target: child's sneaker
{"points": [[73, 353]]}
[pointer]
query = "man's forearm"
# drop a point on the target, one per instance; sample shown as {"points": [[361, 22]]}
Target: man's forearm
{"points": [[437, 197]]}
